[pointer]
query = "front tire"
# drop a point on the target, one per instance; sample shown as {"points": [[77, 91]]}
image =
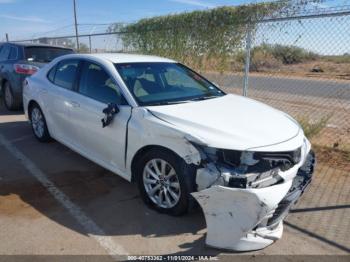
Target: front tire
{"points": [[165, 182], [38, 123]]}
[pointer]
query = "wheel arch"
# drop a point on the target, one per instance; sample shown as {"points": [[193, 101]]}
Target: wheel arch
{"points": [[2, 85], [32, 103], [143, 151], [3, 81]]}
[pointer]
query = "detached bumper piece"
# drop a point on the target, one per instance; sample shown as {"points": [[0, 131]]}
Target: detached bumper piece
{"points": [[300, 183], [250, 219]]}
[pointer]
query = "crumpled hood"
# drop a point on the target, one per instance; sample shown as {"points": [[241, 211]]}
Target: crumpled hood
{"points": [[230, 122]]}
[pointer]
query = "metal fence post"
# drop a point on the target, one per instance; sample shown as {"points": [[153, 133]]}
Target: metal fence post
{"points": [[90, 48], [247, 59]]}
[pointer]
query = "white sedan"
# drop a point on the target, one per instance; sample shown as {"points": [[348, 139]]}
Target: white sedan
{"points": [[179, 137]]}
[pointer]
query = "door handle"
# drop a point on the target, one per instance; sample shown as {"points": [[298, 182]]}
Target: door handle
{"points": [[74, 104]]}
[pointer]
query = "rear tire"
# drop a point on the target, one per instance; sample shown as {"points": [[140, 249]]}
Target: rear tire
{"points": [[38, 122], [11, 102], [165, 182]]}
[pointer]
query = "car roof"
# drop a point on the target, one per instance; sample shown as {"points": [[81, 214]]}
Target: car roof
{"points": [[35, 45], [125, 58]]}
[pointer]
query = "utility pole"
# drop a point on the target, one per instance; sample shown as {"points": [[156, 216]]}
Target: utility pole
{"points": [[76, 25]]}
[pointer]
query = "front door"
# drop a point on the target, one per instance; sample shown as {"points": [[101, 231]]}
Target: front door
{"points": [[106, 145]]}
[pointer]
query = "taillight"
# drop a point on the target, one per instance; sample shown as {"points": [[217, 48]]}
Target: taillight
{"points": [[25, 69]]}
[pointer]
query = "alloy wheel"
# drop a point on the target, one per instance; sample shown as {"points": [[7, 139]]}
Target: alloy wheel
{"points": [[38, 122], [161, 183]]}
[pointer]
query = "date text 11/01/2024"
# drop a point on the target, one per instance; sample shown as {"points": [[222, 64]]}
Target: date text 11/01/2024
{"points": [[172, 258]]}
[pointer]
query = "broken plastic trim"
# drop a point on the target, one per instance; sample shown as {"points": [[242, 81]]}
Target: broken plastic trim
{"points": [[251, 219], [300, 183], [246, 172], [110, 111]]}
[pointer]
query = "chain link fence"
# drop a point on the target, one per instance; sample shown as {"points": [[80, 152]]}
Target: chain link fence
{"points": [[298, 64], [301, 66]]}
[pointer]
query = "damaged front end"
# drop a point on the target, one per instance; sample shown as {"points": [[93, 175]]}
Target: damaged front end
{"points": [[246, 195]]}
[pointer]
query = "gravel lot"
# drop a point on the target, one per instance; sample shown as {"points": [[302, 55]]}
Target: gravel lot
{"points": [[53, 201]]}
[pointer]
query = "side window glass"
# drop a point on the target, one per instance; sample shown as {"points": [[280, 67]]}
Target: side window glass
{"points": [[97, 84], [51, 74], [13, 53], [66, 73], [4, 54]]}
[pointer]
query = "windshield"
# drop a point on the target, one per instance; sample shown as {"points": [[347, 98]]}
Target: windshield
{"points": [[44, 54], [165, 83]]}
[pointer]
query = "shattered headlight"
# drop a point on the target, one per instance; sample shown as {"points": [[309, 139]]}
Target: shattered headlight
{"points": [[248, 169], [258, 162]]}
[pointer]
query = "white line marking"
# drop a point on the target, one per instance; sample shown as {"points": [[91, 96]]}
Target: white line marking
{"points": [[93, 230], [18, 139]]}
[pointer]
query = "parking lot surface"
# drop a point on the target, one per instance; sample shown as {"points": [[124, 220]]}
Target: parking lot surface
{"points": [[54, 201]]}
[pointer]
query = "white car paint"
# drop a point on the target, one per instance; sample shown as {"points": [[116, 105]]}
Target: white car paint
{"points": [[228, 122], [232, 230]]}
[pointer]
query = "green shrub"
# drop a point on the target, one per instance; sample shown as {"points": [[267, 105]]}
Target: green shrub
{"points": [[211, 37], [283, 54], [262, 58], [292, 54], [198, 37]]}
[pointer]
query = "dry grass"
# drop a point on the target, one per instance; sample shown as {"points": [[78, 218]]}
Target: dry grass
{"points": [[331, 70], [265, 64], [313, 128], [339, 159]]}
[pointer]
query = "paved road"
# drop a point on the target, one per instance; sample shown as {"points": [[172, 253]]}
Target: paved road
{"points": [[53, 201], [305, 87]]}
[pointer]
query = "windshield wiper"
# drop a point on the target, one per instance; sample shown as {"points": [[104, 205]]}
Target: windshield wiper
{"points": [[182, 101], [203, 98], [168, 103]]}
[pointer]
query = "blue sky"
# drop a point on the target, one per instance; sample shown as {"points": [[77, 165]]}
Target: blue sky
{"points": [[23, 19]]}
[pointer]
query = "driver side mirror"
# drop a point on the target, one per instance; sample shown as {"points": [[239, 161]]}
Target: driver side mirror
{"points": [[110, 111]]}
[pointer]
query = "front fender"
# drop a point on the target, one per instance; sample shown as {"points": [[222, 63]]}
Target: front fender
{"points": [[147, 130]]}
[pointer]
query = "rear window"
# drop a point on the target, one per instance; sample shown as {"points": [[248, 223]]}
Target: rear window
{"points": [[4, 54], [44, 54], [13, 53]]}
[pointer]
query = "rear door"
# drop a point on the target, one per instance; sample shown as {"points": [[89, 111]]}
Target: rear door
{"points": [[4, 55], [62, 81], [96, 89]]}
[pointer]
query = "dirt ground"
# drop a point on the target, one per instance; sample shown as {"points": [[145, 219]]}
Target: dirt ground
{"points": [[105, 214]]}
